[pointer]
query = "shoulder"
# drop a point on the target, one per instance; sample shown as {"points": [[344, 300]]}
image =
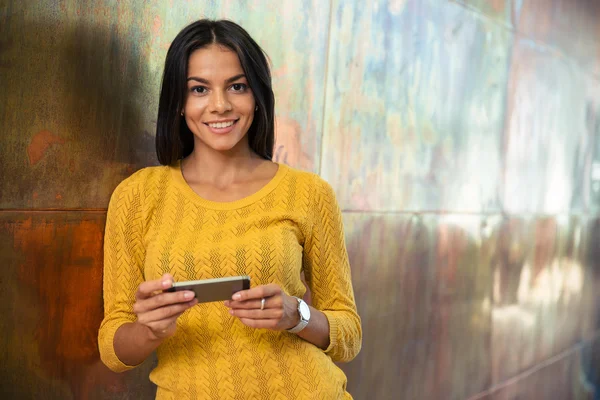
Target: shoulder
{"points": [[140, 180], [311, 182], [302, 175]]}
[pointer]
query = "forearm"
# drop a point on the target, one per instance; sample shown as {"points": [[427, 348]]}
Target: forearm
{"points": [[133, 343], [317, 330]]}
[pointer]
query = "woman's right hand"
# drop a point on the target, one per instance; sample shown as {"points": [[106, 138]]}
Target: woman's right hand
{"points": [[158, 310]]}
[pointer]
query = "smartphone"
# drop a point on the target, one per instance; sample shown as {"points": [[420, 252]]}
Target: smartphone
{"points": [[209, 290]]}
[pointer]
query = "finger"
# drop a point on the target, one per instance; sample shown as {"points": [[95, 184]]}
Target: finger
{"points": [[258, 292], [165, 313], [270, 302], [259, 323], [272, 313], [161, 300], [147, 289]]}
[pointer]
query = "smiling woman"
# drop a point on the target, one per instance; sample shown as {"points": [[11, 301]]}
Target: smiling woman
{"points": [[219, 207]]}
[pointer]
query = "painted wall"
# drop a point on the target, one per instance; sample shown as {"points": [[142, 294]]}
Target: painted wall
{"points": [[462, 138]]}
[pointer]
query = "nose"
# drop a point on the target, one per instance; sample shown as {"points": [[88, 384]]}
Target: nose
{"points": [[219, 103]]}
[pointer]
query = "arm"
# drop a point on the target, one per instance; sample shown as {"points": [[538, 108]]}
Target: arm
{"points": [[327, 272], [123, 260], [136, 320]]}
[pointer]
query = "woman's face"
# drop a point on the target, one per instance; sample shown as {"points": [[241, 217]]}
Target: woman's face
{"points": [[219, 105]]}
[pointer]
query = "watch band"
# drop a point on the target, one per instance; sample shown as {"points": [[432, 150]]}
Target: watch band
{"points": [[303, 322]]}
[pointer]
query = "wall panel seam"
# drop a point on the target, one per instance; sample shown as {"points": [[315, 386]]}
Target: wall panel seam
{"points": [[539, 366], [327, 61]]}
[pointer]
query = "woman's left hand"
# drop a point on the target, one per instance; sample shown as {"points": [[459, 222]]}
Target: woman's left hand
{"points": [[279, 311]]}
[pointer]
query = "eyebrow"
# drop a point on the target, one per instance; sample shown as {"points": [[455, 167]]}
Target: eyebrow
{"points": [[202, 80]]}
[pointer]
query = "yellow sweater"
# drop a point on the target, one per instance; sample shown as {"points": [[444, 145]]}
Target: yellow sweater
{"points": [[157, 224]]}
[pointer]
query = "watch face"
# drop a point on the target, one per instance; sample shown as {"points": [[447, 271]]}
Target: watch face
{"points": [[304, 311]]}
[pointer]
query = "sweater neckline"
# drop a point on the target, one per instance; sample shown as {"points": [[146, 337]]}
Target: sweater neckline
{"points": [[180, 182]]}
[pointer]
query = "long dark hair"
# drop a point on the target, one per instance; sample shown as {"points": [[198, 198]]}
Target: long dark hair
{"points": [[174, 140]]}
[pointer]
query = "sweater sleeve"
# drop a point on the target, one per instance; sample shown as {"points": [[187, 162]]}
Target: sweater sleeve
{"points": [[327, 272], [123, 267]]}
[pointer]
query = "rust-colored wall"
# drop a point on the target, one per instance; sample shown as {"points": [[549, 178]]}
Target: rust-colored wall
{"points": [[462, 138]]}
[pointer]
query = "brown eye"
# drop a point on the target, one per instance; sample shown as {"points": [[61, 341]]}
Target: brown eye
{"points": [[239, 87], [198, 89]]}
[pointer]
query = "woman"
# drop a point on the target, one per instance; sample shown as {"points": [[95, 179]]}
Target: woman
{"points": [[218, 206]]}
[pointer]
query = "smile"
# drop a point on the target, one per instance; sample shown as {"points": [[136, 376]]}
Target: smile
{"points": [[221, 125]]}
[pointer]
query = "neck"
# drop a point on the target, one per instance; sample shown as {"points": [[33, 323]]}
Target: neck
{"points": [[220, 168]]}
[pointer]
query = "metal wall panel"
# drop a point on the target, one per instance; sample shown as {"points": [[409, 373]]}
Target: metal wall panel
{"points": [[425, 304], [52, 308], [537, 289], [76, 109], [415, 106], [548, 140]]}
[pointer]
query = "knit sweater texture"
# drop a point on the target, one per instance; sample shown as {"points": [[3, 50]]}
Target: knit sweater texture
{"points": [[157, 224]]}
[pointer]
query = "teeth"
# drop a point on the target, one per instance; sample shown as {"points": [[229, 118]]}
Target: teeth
{"points": [[220, 125]]}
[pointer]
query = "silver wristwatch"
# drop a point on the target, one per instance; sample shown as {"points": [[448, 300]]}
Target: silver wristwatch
{"points": [[304, 312]]}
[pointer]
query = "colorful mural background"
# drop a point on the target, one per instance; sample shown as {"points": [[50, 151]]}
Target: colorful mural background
{"points": [[462, 138]]}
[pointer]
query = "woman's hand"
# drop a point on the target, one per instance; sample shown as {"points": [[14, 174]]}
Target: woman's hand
{"points": [[157, 310], [279, 311]]}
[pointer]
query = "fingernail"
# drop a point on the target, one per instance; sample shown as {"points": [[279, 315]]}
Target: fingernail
{"points": [[226, 303], [166, 283], [188, 295], [231, 312], [237, 296]]}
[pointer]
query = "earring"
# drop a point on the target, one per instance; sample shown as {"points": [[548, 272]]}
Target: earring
{"points": [[182, 113], [256, 108]]}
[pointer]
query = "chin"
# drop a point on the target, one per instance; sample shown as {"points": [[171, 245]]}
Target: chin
{"points": [[223, 149], [223, 145]]}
